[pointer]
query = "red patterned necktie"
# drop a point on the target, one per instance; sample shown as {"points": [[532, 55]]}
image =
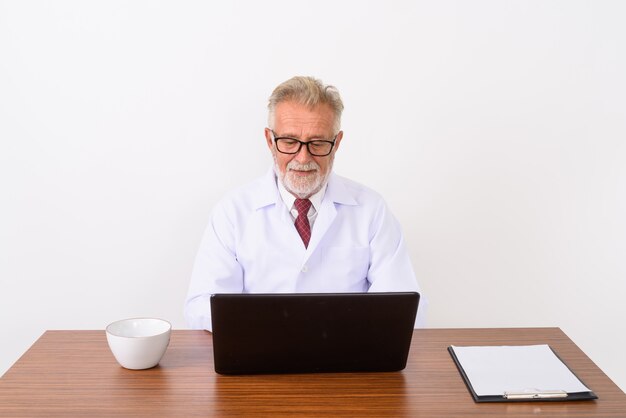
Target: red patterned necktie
{"points": [[302, 221]]}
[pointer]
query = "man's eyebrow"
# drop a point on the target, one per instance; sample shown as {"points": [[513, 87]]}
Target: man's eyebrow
{"points": [[285, 135], [294, 136]]}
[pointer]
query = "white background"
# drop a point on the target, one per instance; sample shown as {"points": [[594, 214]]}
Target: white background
{"points": [[496, 130]]}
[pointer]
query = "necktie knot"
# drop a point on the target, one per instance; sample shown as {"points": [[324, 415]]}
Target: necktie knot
{"points": [[302, 206], [302, 221]]}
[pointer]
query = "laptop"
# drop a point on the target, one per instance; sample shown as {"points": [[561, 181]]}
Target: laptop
{"points": [[312, 333]]}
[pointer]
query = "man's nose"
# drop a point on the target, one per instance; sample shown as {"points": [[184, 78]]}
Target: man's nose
{"points": [[303, 156]]}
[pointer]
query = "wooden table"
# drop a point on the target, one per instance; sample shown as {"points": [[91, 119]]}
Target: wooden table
{"points": [[73, 373]]}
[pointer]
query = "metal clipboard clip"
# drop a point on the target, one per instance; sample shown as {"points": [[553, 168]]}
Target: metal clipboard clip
{"points": [[536, 394]]}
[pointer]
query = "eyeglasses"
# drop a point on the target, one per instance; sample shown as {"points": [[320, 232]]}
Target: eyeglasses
{"points": [[317, 147]]}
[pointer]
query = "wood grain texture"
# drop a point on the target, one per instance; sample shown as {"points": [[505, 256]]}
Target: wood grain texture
{"points": [[73, 373]]}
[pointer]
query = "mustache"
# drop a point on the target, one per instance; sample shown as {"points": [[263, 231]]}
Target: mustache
{"points": [[311, 165]]}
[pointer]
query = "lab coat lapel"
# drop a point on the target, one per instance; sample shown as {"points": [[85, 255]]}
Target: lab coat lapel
{"points": [[267, 194], [336, 193], [268, 198], [325, 217]]}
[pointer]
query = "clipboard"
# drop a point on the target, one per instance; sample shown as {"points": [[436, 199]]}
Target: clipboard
{"points": [[515, 394]]}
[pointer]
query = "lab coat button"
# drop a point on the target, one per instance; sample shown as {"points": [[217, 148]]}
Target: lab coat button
{"points": [[304, 269]]}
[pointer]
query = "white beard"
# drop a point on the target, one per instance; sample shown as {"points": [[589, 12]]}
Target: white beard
{"points": [[303, 186]]}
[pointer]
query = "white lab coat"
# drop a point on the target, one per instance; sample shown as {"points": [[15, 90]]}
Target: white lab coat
{"points": [[251, 246]]}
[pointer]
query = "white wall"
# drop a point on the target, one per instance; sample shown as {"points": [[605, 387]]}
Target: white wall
{"points": [[495, 129]]}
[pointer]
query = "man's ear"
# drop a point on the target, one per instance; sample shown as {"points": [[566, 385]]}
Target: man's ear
{"points": [[268, 139], [338, 140]]}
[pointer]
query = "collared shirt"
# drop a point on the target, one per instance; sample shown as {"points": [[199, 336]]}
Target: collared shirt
{"points": [[289, 199]]}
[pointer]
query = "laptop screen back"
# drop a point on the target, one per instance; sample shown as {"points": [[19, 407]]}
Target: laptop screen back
{"points": [[300, 333]]}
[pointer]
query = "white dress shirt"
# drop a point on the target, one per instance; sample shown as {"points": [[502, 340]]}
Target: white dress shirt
{"points": [[251, 246]]}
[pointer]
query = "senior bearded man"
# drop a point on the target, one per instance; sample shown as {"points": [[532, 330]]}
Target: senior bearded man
{"points": [[301, 228]]}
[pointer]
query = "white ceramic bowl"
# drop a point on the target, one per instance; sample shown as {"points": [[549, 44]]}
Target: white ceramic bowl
{"points": [[139, 343]]}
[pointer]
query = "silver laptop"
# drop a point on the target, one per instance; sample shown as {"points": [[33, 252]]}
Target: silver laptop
{"points": [[308, 333]]}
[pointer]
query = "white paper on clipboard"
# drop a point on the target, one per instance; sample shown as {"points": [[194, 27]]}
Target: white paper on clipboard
{"points": [[494, 370]]}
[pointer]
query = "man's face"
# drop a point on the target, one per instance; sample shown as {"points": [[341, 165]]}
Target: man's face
{"points": [[303, 174]]}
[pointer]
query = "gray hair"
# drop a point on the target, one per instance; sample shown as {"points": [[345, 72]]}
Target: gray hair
{"points": [[308, 91]]}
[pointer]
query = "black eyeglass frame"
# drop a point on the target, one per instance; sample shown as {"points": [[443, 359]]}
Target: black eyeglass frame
{"points": [[332, 144]]}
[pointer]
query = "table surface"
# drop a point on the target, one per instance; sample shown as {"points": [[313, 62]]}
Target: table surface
{"points": [[73, 373]]}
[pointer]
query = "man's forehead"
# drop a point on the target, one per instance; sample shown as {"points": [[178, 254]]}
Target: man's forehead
{"points": [[296, 116]]}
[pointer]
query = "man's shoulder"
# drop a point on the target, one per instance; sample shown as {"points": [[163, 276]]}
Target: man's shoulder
{"points": [[251, 188], [359, 192], [250, 196]]}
